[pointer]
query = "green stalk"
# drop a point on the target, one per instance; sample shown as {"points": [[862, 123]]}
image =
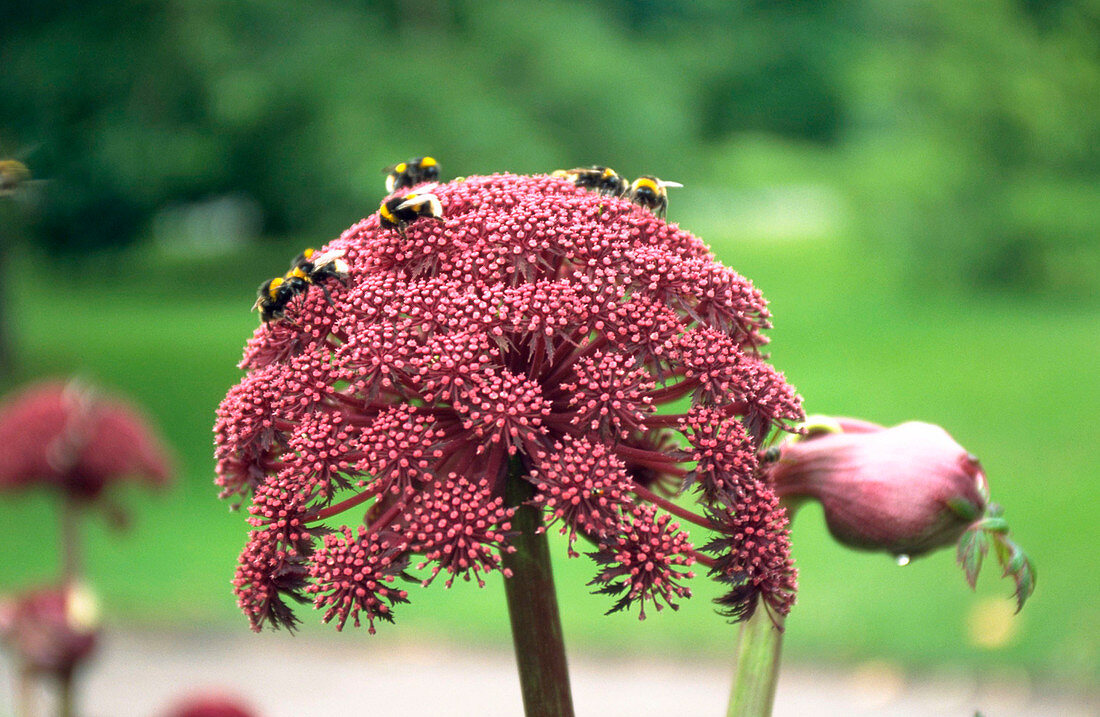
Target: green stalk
{"points": [[70, 540], [757, 667], [533, 608]]}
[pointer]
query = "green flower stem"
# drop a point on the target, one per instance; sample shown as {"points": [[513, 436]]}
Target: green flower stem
{"points": [[70, 540], [757, 668], [533, 608]]}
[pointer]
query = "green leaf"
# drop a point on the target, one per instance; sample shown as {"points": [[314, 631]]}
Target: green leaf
{"points": [[1018, 566], [993, 525], [973, 546]]}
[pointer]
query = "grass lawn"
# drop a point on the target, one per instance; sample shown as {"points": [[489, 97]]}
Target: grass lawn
{"points": [[1014, 381]]}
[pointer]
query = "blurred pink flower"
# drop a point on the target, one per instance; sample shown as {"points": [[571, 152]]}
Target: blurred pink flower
{"points": [[67, 436], [210, 705], [534, 331], [50, 630]]}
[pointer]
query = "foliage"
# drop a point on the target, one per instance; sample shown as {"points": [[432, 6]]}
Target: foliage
{"points": [[963, 137]]}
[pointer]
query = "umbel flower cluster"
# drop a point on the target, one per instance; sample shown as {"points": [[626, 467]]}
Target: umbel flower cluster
{"points": [[539, 332]]}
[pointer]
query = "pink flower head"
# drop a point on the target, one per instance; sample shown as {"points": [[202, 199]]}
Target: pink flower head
{"points": [[50, 630], [536, 331], [905, 490], [68, 436]]}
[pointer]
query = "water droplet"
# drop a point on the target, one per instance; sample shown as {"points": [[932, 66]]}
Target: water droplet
{"points": [[902, 560]]}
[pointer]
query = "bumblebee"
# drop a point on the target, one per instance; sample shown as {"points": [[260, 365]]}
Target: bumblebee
{"points": [[316, 268], [309, 268], [272, 299], [603, 180], [771, 455], [13, 175], [649, 192], [400, 211], [408, 174]]}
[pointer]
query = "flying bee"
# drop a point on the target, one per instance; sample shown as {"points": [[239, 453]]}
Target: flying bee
{"points": [[13, 175], [408, 174], [399, 212], [652, 193], [603, 180]]}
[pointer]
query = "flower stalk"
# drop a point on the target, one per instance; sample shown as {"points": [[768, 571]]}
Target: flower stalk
{"points": [[533, 606], [70, 539], [756, 666]]}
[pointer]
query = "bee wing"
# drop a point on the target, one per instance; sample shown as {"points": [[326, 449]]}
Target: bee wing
{"points": [[256, 306], [420, 198], [329, 257], [663, 183]]}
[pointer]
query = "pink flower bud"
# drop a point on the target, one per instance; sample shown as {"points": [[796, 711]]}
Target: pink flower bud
{"points": [[905, 490]]}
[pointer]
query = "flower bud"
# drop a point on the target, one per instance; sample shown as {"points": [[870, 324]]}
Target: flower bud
{"points": [[905, 490]]}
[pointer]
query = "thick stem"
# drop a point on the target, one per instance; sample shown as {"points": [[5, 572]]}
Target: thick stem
{"points": [[757, 667], [70, 540], [533, 607], [65, 701]]}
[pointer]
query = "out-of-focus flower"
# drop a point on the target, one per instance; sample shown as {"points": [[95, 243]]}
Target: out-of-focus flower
{"points": [[535, 331], [67, 436], [904, 490], [50, 630], [211, 705]]}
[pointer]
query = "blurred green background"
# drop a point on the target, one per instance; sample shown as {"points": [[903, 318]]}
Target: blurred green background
{"points": [[914, 185]]}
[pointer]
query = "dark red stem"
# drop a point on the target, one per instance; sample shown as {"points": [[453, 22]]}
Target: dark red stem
{"points": [[668, 505], [343, 505]]}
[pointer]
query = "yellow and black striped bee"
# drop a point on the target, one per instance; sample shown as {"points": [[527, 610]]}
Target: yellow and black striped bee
{"points": [[13, 175], [272, 299], [312, 268], [649, 192], [398, 212], [409, 174], [309, 268], [603, 180]]}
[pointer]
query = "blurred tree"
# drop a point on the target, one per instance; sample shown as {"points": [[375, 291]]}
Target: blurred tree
{"points": [[966, 133], [976, 123]]}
